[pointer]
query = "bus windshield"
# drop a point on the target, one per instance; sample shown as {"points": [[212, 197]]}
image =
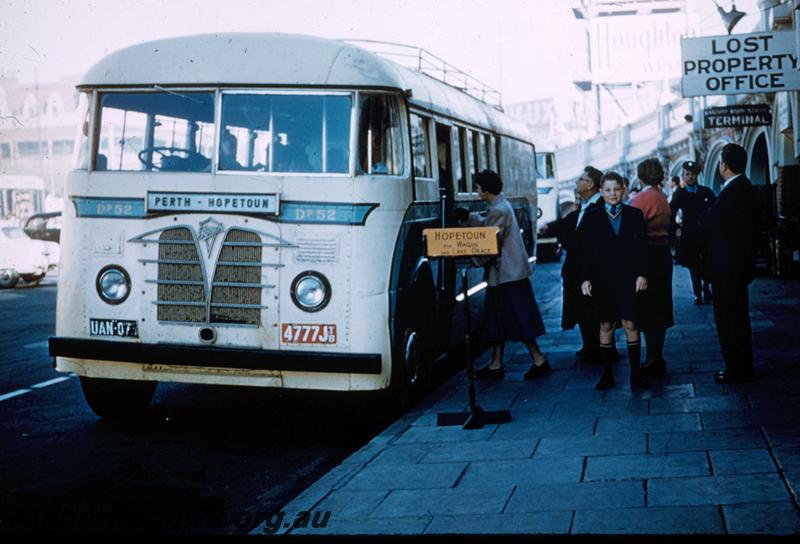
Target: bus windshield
{"points": [[285, 133], [175, 131], [544, 166], [145, 131]]}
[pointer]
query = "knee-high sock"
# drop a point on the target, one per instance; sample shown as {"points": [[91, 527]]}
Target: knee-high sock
{"points": [[655, 343], [607, 358], [589, 336], [634, 353]]}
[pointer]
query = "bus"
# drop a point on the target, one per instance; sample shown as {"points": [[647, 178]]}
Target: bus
{"points": [[247, 209], [548, 209]]}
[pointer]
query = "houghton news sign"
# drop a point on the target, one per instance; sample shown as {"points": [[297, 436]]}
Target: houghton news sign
{"points": [[762, 62]]}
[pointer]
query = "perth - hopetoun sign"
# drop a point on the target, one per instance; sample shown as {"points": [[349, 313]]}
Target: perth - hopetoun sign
{"points": [[762, 62]]}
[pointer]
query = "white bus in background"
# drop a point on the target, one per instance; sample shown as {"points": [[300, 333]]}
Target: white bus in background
{"points": [[248, 210], [548, 211]]}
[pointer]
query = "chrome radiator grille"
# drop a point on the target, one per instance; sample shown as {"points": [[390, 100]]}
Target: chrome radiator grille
{"points": [[233, 294], [181, 286], [236, 291]]}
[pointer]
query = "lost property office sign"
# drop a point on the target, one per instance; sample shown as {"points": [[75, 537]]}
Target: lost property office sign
{"points": [[762, 62]]}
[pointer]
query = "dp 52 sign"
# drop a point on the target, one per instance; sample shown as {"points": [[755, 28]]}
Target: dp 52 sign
{"points": [[745, 63]]}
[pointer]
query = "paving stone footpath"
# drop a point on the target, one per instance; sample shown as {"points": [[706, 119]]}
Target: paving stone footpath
{"points": [[686, 456]]}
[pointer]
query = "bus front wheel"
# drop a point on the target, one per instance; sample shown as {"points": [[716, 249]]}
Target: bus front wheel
{"points": [[117, 399]]}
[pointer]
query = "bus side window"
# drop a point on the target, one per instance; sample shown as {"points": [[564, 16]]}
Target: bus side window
{"points": [[491, 150], [470, 145], [380, 142], [458, 160], [483, 158], [420, 147]]}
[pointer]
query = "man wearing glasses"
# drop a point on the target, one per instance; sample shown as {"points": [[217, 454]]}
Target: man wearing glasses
{"points": [[575, 308]]}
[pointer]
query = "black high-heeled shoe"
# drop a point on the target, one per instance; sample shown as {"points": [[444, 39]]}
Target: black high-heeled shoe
{"points": [[487, 372], [538, 370]]}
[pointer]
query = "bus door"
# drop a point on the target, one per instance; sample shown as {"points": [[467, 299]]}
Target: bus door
{"points": [[446, 270]]}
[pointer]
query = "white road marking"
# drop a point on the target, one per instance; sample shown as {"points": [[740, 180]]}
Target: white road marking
{"points": [[13, 394], [50, 382], [35, 345], [39, 385]]}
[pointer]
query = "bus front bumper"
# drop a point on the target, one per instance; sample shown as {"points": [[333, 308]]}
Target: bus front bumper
{"points": [[215, 357]]}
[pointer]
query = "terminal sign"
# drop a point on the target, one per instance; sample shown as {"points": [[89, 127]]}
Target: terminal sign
{"points": [[744, 115], [461, 242], [763, 62]]}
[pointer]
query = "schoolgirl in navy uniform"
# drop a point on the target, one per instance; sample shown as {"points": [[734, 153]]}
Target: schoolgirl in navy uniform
{"points": [[613, 268]]}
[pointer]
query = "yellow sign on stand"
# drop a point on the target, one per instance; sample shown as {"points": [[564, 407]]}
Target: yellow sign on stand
{"points": [[461, 242]]}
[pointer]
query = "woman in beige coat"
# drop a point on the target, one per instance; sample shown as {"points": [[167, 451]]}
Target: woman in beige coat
{"points": [[510, 312]]}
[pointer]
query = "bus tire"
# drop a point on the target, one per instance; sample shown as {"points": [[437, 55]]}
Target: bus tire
{"points": [[412, 371], [117, 399], [412, 377]]}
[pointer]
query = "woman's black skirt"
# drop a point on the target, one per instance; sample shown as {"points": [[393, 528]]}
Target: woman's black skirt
{"points": [[511, 313], [657, 299]]}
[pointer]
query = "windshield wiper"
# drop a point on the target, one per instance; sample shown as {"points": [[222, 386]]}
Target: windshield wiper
{"points": [[160, 88]]}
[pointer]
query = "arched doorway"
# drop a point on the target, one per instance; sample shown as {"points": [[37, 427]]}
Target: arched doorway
{"points": [[759, 171], [759, 161], [711, 176]]}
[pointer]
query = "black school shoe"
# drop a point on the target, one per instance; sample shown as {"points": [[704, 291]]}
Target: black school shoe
{"points": [[490, 373], [725, 376], [538, 371]]}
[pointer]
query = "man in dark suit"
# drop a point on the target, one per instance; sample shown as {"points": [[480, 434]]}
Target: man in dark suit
{"points": [[575, 308], [691, 201], [729, 226]]}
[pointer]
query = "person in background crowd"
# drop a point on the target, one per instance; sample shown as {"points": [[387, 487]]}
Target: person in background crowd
{"points": [[510, 311], [730, 233], [613, 268], [687, 205], [626, 195], [634, 189], [674, 230], [574, 309], [674, 185], [656, 315]]}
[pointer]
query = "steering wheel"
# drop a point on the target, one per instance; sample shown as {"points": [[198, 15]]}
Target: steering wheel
{"points": [[166, 152]]}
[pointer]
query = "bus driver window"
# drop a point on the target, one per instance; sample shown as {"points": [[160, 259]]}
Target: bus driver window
{"points": [[380, 148]]}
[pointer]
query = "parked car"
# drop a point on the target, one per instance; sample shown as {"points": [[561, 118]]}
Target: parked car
{"points": [[44, 226], [23, 258]]}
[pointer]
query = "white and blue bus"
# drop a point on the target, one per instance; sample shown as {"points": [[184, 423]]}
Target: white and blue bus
{"points": [[247, 209]]}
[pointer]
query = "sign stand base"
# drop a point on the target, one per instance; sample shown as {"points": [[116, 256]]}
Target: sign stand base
{"points": [[473, 420], [477, 417]]}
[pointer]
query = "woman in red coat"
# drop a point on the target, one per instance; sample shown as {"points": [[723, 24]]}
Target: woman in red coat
{"points": [[657, 311]]}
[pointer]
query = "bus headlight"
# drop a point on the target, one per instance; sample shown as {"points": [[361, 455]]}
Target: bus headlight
{"points": [[113, 284], [311, 291]]}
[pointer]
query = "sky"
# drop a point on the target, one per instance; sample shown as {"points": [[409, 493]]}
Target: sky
{"points": [[526, 49]]}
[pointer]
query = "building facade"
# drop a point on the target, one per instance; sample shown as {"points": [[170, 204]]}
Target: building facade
{"points": [[38, 123], [674, 132]]}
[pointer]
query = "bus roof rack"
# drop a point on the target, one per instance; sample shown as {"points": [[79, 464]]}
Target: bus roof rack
{"points": [[422, 60]]}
